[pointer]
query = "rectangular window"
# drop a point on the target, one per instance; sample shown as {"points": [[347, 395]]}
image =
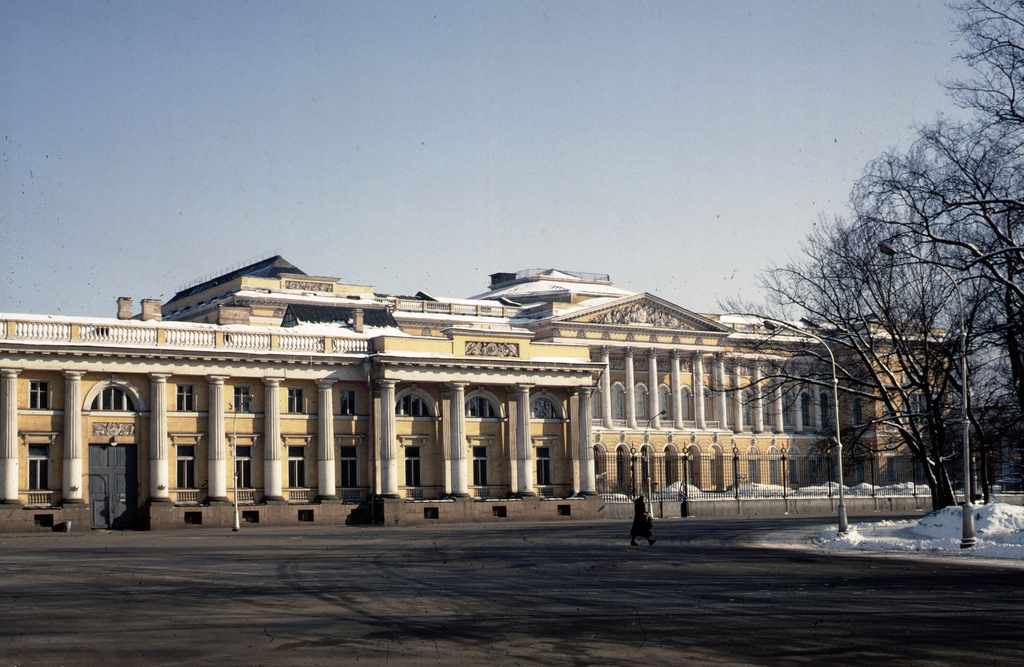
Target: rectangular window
{"points": [[38, 468], [480, 466], [243, 399], [186, 466], [349, 460], [857, 410], [39, 395], [348, 402], [412, 466], [296, 401], [296, 466], [243, 466], [543, 466], [186, 398]]}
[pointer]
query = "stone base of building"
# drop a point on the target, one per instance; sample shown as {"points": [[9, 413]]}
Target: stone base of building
{"points": [[164, 517], [397, 512], [17, 519]]}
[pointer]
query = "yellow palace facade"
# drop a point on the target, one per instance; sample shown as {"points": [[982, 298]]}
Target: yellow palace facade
{"points": [[283, 398]]}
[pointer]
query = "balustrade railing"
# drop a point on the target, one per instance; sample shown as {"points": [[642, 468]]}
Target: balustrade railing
{"points": [[154, 334]]}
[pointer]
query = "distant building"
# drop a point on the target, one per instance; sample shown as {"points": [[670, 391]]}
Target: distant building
{"points": [[302, 399]]}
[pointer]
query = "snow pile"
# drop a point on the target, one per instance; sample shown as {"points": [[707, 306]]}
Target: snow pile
{"points": [[998, 527]]}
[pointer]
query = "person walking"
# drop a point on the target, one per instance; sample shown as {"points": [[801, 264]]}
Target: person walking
{"points": [[642, 522]]}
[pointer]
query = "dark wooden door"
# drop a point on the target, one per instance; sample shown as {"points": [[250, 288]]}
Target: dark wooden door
{"points": [[113, 486]]}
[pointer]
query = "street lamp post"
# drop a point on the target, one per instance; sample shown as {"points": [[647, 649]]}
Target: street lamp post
{"points": [[967, 538], [772, 325], [236, 524]]}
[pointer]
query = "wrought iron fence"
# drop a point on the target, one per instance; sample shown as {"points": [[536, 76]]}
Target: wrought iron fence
{"points": [[622, 476]]}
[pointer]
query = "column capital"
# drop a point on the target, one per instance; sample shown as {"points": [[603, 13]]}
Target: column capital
{"points": [[675, 353], [74, 375], [385, 384], [326, 383], [272, 382], [217, 380], [627, 352], [456, 385], [10, 372], [159, 378]]}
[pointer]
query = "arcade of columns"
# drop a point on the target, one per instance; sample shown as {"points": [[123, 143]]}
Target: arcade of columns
{"points": [[454, 430]]}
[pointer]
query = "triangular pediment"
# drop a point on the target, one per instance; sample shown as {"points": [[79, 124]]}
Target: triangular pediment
{"points": [[643, 311]]}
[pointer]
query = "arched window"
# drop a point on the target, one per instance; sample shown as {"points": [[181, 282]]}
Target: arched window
{"points": [[595, 405], [623, 471], [411, 405], [748, 410], [113, 399], [671, 466], [618, 401], [806, 418], [826, 409], [753, 465], [857, 411], [542, 408], [640, 394], [793, 461], [687, 405], [787, 411], [665, 401], [480, 408], [708, 405], [774, 466], [767, 411]]}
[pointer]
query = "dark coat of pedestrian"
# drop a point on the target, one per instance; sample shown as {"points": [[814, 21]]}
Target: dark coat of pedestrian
{"points": [[643, 522]]}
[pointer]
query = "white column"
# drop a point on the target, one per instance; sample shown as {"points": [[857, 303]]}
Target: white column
{"points": [[72, 438], [677, 390], [698, 390], [606, 388], [388, 440], [273, 488], [218, 475], [159, 469], [325, 442], [630, 390], [757, 410], [737, 379], [524, 453], [457, 418], [588, 475], [777, 410], [653, 400], [816, 406], [9, 437], [723, 397]]}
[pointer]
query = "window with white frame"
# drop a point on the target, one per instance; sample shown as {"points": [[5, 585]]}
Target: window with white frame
{"points": [[39, 395], [186, 455], [186, 398], [480, 465], [665, 401], [347, 400], [296, 401], [349, 457], [411, 405], [687, 404], [296, 466], [826, 409], [640, 401], [479, 407], [38, 468], [243, 399], [806, 416], [768, 410], [543, 466], [243, 466], [113, 399], [618, 401], [709, 405], [413, 467], [596, 405]]}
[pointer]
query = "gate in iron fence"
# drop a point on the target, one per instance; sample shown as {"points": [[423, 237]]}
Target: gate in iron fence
{"points": [[622, 476]]}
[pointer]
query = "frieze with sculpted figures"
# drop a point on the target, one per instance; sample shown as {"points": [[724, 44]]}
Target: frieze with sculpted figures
{"points": [[638, 313], [309, 286], [107, 429], [490, 349]]}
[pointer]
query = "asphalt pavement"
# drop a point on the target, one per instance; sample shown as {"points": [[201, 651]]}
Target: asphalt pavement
{"points": [[708, 592]]}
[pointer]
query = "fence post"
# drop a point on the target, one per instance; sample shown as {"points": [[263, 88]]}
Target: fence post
{"points": [[871, 466], [785, 474], [685, 458], [736, 471]]}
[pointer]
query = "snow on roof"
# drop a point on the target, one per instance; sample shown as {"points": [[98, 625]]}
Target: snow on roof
{"points": [[533, 289]]}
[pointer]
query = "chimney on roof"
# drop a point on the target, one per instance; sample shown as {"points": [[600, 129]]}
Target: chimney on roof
{"points": [[124, 308], [151, 310], [357, 320], [498, 279]]}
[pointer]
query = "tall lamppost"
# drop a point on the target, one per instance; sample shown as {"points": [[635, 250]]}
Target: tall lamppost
{"points": [[773, 325], [967, 538], [236, 524]]}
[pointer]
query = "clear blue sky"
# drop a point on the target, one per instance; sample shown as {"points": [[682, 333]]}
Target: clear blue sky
{"points": [[678, 146]]}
